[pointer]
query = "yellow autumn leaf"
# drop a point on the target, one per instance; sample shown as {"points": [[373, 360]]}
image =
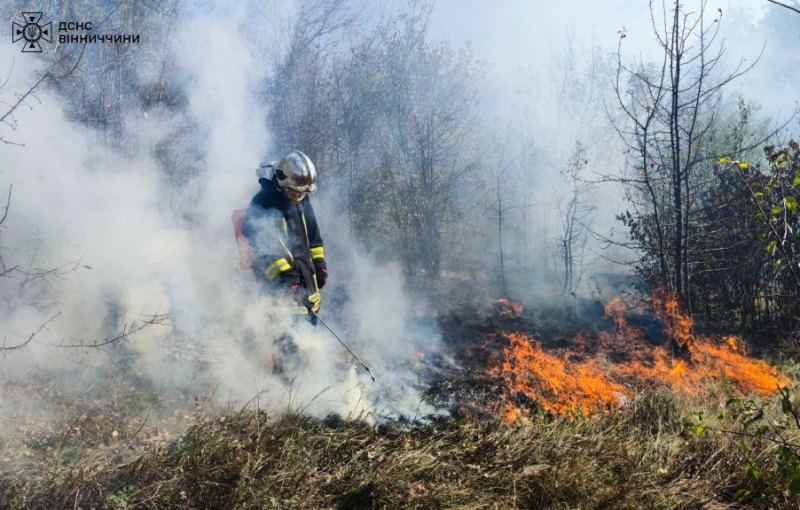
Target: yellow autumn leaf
{"points": [[724, 160], [744, 165]]}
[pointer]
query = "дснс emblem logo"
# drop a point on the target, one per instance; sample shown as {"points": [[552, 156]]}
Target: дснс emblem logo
{"points": [[31, 32]]}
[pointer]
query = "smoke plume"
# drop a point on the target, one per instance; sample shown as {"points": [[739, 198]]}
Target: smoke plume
{"points": [[104, 247]]}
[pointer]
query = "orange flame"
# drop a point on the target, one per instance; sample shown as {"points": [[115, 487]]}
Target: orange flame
{"points": [[624, 337], [709, 362], [615, 310], [509, 308], [557, 384], [562, 386], [678, 324]]}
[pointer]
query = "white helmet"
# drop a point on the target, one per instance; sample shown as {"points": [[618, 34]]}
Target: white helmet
{"points": [[296, 175]]}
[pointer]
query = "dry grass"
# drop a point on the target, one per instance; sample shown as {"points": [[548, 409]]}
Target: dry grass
{"points": [[644, 456], [118, 452]]}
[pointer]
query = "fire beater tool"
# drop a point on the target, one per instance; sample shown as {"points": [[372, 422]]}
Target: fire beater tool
{"points": [[332, 332]]}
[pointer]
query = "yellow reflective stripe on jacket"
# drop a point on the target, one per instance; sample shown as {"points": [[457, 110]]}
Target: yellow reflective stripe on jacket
{"points": [[277, 267], [317, 253]]}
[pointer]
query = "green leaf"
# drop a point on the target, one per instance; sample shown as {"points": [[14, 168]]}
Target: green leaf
{"points": [[776, 209], [794, 486], [796, 181], [772, 247], [786, 404], [700, 429], [752, 472], [758, 194], [741, 494], [791, 204]]}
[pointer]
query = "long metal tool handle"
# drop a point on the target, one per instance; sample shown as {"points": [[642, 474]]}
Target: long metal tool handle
{"points": [[344, 345]]}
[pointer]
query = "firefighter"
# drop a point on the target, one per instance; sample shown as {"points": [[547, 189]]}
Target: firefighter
{"points": [[282, 231]]}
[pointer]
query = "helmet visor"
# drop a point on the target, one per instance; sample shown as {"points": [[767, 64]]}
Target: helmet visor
{"points": [[295, 195], [298, 193]]}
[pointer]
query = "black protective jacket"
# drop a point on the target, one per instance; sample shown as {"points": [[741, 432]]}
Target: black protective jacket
{"points": [[284, 237]]}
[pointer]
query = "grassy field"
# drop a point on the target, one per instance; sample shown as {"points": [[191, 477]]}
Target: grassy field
{"points": [[655, 445], [654, 453]]}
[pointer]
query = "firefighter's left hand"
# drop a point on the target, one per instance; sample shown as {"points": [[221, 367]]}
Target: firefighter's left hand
{"points": [[312, 302]]}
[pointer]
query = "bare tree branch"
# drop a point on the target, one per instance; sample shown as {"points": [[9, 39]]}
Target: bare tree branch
{"points": [[3, 269], [21, 99], [4, 349], [795, 9], [127, 332], [8, 116], [8, 204], [8, 76], [9, 142]]}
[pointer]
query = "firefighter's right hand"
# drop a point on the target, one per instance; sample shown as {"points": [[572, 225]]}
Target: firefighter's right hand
{"points": [[312, 302], [321, 272]]}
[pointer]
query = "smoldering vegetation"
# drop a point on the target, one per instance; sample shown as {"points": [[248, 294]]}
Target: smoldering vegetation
{"points": [[140, 367]]}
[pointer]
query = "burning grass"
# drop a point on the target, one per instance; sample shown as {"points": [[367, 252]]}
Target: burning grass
{"points": [[576, 381], [709, 363], [556, 383], [647, 453]]}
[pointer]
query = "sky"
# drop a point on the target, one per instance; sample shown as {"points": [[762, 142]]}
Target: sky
{"points": [[525, 44], [520, 38]]}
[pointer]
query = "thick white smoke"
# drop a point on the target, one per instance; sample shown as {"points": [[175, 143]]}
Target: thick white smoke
{"points": [[551, 78], [126, 254]]}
